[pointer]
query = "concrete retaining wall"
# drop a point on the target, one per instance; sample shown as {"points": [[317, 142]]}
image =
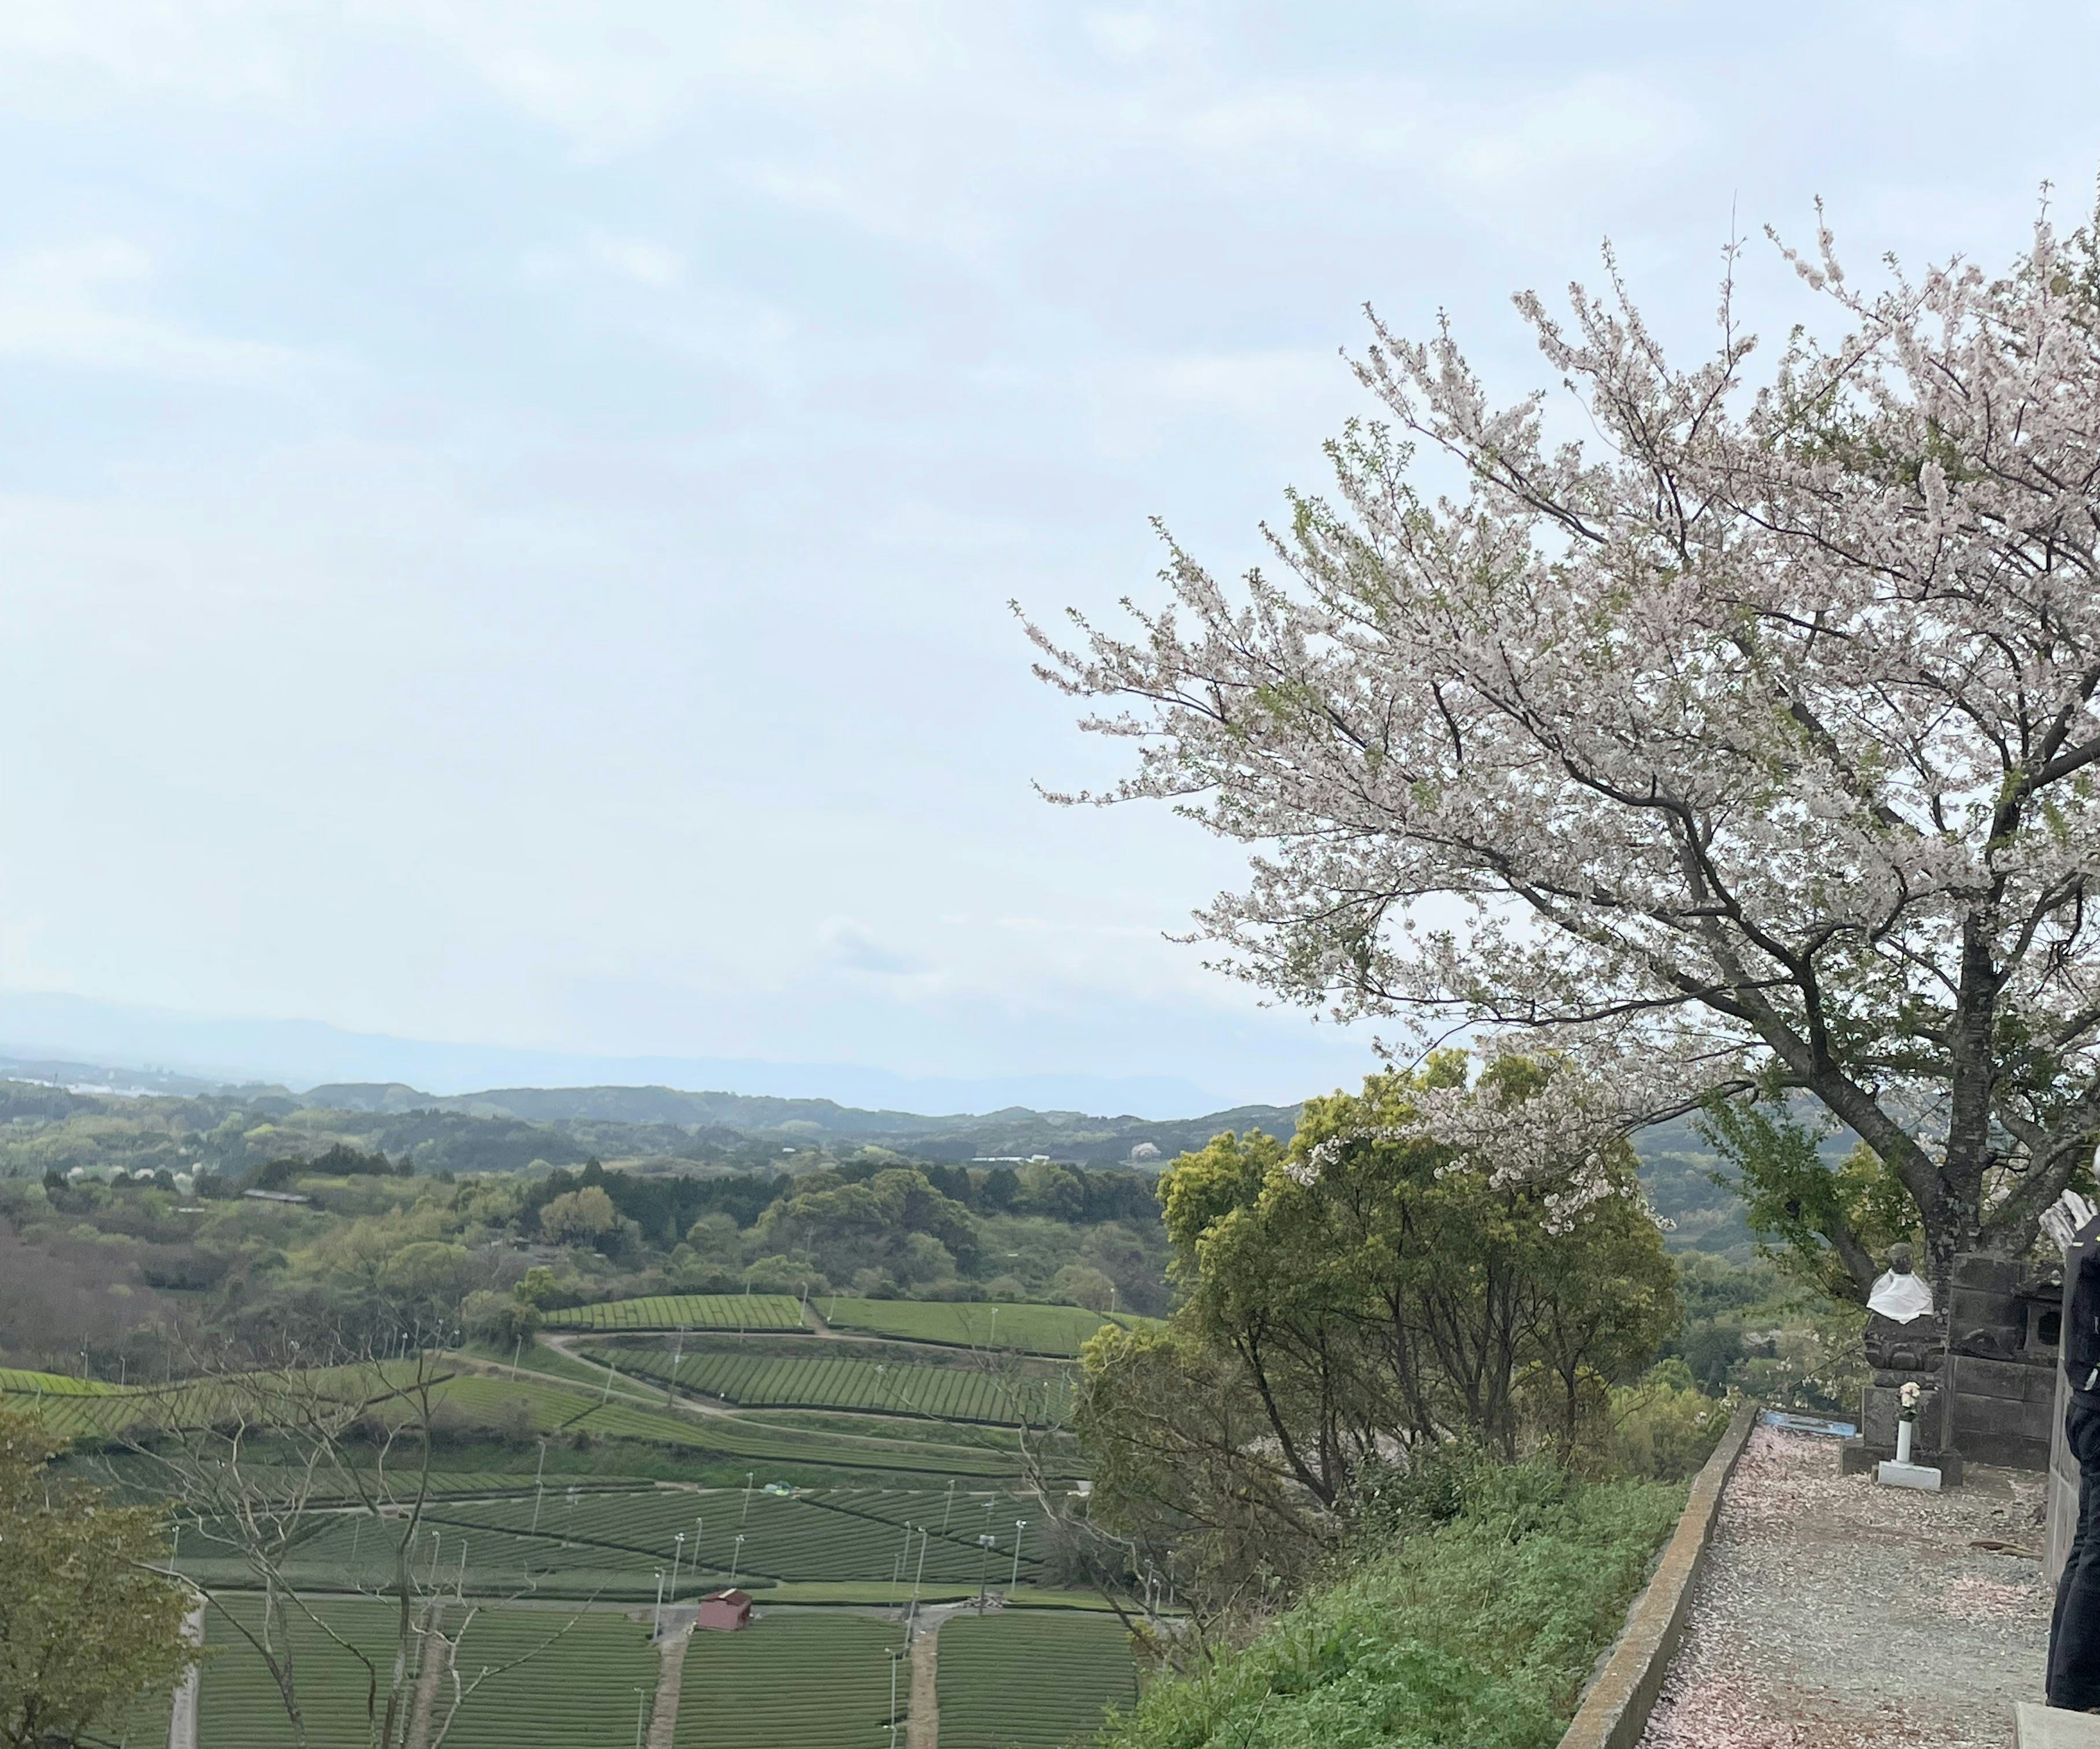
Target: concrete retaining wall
{"points": [[1614, 1712]]}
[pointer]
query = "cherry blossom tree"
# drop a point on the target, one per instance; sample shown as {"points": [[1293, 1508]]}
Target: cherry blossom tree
{"points": [[1745, 748]]}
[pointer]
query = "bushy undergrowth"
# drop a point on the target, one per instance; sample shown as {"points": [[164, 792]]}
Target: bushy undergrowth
{"points": [[1476, 1631], [1665, 1427]]}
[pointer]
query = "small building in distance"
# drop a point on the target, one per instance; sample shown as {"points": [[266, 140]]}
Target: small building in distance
{"points": [[1144, 1153], [725, 1611]]}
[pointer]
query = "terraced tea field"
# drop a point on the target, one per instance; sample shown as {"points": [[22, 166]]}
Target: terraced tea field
{"points": [[50, 1383], [1058, 1330], [1030, 1681], [576, 1690], [239, 1706], [835, 1381], [687, 1311], [783, 1539], [792, 1681]]}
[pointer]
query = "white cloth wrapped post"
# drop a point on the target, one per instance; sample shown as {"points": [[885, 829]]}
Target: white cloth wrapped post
{"points": [[1900, 1297]]}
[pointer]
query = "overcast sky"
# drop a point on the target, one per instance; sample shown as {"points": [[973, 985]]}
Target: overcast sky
{"points": [[507, 510]]}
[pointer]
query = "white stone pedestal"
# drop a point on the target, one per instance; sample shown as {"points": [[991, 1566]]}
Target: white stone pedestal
{"points": [[2046, 1728], [1893, 1475]]}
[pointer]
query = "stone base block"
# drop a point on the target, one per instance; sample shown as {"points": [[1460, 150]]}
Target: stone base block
{"points": [[2047, 1728], [1855, 1457], [1892, 1474]]}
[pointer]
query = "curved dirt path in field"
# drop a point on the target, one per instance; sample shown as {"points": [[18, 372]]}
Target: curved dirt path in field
{"points": [[182, 1718], [922, 1725], [1836, 1614]]}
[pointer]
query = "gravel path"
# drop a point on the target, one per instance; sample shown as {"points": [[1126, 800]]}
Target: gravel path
{"points": [[1835, 1614]]}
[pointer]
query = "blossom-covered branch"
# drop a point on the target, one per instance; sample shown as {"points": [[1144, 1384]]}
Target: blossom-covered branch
{"points": [[1763, 726]]}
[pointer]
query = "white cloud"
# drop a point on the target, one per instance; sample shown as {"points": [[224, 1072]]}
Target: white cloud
{"points": [[1137, 402], [637, 258], [84, 304], [1125, 36], [847, 944]]}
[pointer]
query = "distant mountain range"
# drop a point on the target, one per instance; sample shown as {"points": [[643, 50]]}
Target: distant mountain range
{"points": [[200, 1050], [1676, 1164], [1015, 1131]]}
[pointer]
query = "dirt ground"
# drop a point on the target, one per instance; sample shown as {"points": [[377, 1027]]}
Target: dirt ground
{"points": [[1835, 1614]]}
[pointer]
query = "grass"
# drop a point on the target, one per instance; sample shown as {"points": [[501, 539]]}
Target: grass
{"points": [[847, 1381], [1480, 1631], [1060, 1330], [792, 1682], [1030, 1681], [686, 1311]]}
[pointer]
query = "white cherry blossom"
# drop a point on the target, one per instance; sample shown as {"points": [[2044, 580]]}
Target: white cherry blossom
{"points": [[1753, 737]]}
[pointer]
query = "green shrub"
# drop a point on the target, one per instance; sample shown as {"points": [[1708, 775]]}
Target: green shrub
{"points": [[1481, 1632], [1664, 1428]]}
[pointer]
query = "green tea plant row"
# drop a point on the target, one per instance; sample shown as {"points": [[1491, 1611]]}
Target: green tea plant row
{"points": [[1059, 1330], [51, 1384], [529, 1407], [239, 1706], [1030, 1681], [744, 1440], [963, 1513], [945, 1394], [582, 1678], [792, 1682], [575, 1688], [536, 1406], [352, 1551], [783, 1538], [687, 1311]]}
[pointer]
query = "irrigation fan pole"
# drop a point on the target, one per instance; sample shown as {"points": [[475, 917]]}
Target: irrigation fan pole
{"points": [[911, 1626], [950, 1507], [1019, 1525], [656, 1621], [539, 1485]]}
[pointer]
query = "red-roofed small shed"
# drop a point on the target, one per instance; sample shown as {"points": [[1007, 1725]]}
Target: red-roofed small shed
{"points": [[726, 1611]]}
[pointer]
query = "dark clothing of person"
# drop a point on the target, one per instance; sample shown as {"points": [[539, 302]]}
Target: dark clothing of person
{"points": [[2074, 1631]]}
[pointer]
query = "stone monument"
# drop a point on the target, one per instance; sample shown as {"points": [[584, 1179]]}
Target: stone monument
{"points": [[1906, 1344], [2005, 1317]]}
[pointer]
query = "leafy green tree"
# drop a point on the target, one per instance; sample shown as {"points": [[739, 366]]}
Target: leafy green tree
{"points": [[1825, 1223], [86, 1623], [581, 1216], [500, 1319], [1371, 1287], [1083, 1284]]}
